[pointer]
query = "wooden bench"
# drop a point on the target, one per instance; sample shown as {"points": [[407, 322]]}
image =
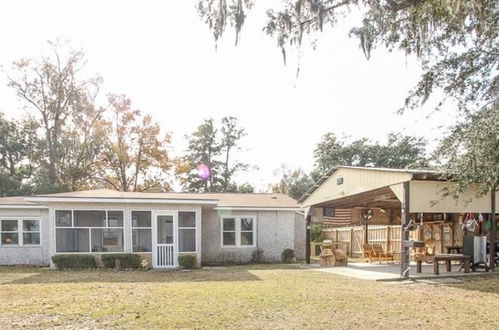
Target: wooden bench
{"points": [[448, 258]]}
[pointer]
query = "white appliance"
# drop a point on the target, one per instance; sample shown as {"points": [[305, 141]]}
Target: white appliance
{"points": [[480, 249]]}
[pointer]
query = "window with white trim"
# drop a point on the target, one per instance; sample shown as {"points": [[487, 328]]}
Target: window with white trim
{"points": [[89, 231], [20, 232], [238, 231], [141, 231], [31, 232], [186, 231]]}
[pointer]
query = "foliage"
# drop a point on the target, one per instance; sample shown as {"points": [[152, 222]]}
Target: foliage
{"points": [[17, 143], [134, 156], [245, 188], [257, 256], [288, 256], [74, 261], [208, 164], [127, 260], [187, 261], [292, 182], [455, 40], [53, 88], [400, 152], [316, 233], [470, 152], [231, 135], [70, 143]]}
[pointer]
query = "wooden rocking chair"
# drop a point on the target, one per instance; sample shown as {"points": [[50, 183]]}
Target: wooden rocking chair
{"points": [[381, 254], [368, 253]]}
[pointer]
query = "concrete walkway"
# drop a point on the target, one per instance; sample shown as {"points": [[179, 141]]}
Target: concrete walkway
{"points": [[391, 272]]}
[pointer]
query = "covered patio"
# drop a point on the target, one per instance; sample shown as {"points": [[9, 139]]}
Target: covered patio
{"points": [[400, 211]]}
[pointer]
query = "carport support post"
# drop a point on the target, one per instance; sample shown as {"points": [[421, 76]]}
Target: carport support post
{"points": [[404, 236], [307, 240], [493, 230]]}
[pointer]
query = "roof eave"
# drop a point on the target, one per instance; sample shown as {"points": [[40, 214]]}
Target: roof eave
{"points": [[47, 199], [256, 208], [22, 206]]}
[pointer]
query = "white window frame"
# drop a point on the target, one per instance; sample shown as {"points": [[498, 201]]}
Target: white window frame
{"points": [[89, 229], [20, 231], [237, 219], [190, 228], [133, 228]]}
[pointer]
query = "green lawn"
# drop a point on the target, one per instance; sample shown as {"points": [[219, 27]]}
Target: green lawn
{"points": [[270, 296]]}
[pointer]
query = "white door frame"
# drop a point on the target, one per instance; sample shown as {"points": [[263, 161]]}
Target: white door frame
{"points": [[155, 244]]}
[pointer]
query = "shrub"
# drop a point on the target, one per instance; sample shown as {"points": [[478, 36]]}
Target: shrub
{"points": [[187, 261], [127, 260], [316, 233], [288, 255], [74, 261], [257, 256]]}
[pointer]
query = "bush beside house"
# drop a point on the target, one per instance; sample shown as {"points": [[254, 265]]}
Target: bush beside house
{"points": [[187, 261], [74, 261], [127, 260], [288, 256]]}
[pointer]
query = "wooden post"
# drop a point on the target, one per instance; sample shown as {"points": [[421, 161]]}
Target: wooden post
{"points": [[441, 239], [493, 230], [366, 233], [307, 240], [404, 236], [351, 241], [388, 238], [453, 242]]}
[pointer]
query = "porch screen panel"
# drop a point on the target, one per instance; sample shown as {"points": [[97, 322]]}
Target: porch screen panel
{"points": [[141, 231], [72, 240], [187, 231], [107, 240], [89, 231]]}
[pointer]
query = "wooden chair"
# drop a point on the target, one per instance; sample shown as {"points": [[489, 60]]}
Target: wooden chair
{"points": [[426, 253], [368, 253], [381, 254]]}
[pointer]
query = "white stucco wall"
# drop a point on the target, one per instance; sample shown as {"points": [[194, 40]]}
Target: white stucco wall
{"points": [[300, 236], [275, 231], [27, 255]]}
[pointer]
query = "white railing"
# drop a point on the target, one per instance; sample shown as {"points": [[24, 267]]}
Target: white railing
{"points": [[164, 256]]}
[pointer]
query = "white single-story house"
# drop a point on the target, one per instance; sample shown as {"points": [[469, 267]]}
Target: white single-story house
{"points": [[223, 227]]}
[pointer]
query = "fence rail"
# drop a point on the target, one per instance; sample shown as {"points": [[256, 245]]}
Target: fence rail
{"points": [[351, 239]]}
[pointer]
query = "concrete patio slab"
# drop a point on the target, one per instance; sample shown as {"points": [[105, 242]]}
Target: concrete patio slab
{"points": [[391, 272]]}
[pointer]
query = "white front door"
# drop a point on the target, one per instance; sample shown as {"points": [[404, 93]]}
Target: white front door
{"points": [[164, 240]]}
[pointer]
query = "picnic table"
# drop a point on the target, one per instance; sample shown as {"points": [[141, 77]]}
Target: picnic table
{"points": [[448, 258]]}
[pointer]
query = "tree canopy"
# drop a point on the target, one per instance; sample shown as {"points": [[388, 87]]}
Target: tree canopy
{"points": [[399, 152], [209, 163], [68, 142], [470, 151], [456, 41], [292, 182]]}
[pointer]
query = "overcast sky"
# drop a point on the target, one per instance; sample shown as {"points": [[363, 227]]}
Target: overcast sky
{"points": [[163, 57]]}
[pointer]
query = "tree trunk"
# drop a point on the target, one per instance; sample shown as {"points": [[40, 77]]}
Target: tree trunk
{"points": [[52, 174]]}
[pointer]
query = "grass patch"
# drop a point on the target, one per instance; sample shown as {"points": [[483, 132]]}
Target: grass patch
{"points": [[253, 296]]}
